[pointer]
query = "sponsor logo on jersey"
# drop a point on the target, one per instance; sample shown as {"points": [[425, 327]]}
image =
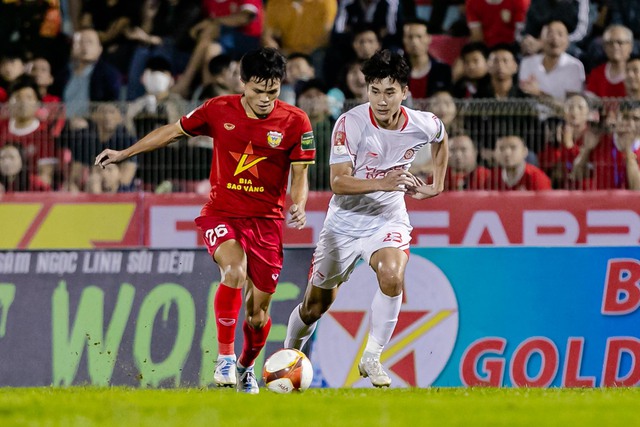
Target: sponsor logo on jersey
{"points": [[409, 154], [247, 161], [422, 341], [308, 142], [229, 126], [274, 138], [340, 139]]}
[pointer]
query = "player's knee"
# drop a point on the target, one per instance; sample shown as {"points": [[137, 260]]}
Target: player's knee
{"points": [[311, 312], [258, 321], [235, 276], [391, 281]]}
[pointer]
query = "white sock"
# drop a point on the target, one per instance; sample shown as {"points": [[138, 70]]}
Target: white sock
{"points": [[384, 316], [298, 332]]}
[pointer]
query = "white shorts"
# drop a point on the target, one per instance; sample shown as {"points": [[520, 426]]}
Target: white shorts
{"points": [[336, 255]]}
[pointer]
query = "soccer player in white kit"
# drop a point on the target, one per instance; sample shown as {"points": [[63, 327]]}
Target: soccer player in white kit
{"points": [[373, 146]]}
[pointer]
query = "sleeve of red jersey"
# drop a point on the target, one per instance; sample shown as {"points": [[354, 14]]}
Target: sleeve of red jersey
{"points": [[197, 122], [521, 10], [305, 150], [472, 17], [252, 6]]}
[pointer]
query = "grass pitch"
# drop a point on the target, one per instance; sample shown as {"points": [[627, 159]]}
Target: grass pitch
{"points": [[117, 406]]}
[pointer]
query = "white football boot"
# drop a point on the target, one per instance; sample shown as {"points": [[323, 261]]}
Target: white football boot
{"points": [[225, 374], [372, 368], [247, 382]]}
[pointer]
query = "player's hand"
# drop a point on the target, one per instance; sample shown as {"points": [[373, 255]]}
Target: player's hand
{"points": [[397, 180], [425, 191], [297, 217], [109, 156]]}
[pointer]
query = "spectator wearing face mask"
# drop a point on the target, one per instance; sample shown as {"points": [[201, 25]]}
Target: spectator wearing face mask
{"points": [[158, 106]]}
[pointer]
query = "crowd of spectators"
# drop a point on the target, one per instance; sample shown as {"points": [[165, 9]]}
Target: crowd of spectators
{"points": [[535, 94]]}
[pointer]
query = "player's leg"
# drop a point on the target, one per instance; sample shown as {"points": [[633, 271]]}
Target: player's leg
{"points": [[333, 261], [264, 263], [223, 243], [389, 263], [232, 261], [303, 318], [256, 329]]}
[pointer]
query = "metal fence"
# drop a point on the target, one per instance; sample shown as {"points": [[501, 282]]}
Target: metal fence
{"points": [[576, 144]]}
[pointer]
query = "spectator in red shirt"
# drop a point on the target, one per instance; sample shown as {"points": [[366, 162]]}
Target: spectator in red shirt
{"points": [[428, 75], [632, 78], [496, 21], [51, 111], [557, 159], [612, 161], [514, 172], [25, 129], [607, 80], [11, 67], [463, 172], [40, 71]]}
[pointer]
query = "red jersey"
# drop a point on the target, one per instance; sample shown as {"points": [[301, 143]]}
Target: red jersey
{"points": [[251, 157], [497, 17], [215, 8], [37, 141], [608, 167], [599, 84], [478, 179], [532, 179]]}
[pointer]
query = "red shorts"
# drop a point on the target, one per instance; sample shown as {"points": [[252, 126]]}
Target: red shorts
{"points": [[260, 238]]}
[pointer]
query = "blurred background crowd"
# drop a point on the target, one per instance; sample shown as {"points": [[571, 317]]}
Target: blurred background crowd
{"points": [[535, 94]]}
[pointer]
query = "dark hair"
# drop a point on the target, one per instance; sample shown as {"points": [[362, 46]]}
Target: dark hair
{"points": [[300, 55], [417, 21], [23, 82], [219, 63], [633, 58], [364, 28], [21, 181], [311, 84], [158, 63], [264, 64], [473, 47], [503, 46], [386, 63]]}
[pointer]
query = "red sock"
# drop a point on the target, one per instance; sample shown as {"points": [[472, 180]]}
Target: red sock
{"points": [[254, 341], [226, 306]]}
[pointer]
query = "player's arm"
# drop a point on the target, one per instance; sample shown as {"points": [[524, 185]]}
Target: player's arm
{"points": [[299, 195], [343, 182], [633, 170], [440, 156], [158, 138]]}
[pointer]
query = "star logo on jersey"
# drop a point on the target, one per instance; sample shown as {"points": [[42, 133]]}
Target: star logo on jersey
{"points": [[409, 154], [247, 161], [274, 138], [229, 126]]}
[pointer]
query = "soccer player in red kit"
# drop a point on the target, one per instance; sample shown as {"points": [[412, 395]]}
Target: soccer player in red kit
{"points": [[257, 139]]}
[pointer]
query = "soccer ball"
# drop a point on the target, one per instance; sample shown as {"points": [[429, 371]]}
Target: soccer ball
{"points": [[287, 370]]}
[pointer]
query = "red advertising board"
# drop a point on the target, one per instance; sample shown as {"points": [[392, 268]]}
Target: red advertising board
{"points": [[552, 218]]}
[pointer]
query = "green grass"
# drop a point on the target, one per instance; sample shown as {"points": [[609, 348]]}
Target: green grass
{"points": [[117, 406]]}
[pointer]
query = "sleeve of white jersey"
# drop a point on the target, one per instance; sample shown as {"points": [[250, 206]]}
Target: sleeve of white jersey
{"points": [[435, 128], [344, 140]]}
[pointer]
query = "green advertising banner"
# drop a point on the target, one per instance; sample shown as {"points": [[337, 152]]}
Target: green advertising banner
{"points": [[129, 317]]}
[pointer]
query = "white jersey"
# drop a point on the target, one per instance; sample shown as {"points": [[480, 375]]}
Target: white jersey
{"points": [[374, 152]]}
